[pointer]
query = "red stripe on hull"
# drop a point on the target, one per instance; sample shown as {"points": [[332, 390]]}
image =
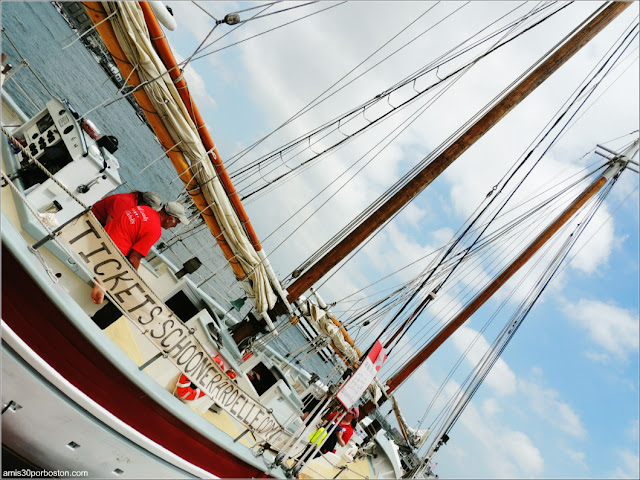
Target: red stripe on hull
{"points": [[40, 324]]}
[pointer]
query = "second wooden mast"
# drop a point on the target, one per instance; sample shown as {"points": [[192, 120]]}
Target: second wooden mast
{"points": [[614, 169]]}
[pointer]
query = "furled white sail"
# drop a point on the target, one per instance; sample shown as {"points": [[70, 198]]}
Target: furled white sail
{"points": [[132, 34], [319, 319], [414, 437]]}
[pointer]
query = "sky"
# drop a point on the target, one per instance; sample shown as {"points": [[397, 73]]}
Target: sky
{"points": [[562, 401]]}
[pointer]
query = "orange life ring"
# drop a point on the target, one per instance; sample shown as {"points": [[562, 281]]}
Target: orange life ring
{"points": [[187, 390], [220, 361]]}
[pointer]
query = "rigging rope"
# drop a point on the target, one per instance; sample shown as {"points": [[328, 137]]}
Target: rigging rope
{"points": [[313, 103], [407, 324], [266, 31], [402, 127], [585, 87], [395, 188], [475, 378], [433, 64], [244, 173], [482, 280], [402, 293]]}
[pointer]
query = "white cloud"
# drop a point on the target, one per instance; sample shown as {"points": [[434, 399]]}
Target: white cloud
{"points": [[528, 456], [596, 243], [507, 453], [633, 430], [598, 357], [546, 403], [393, 248], [442, 236], [498, 450], [501, 378], [197, 86], [537, 372], [628, 466], [576, 457], [491, 407], [612, 328], [592, 250]]}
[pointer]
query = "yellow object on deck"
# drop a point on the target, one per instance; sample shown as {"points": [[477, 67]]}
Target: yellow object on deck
{"points": [[318, 436]]}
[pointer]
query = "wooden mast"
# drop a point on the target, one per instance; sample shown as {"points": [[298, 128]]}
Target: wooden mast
{"points": [[459, 146], [617, 166]]}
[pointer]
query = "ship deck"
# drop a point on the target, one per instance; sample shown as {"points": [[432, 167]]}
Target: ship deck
{"points": [[129, 340], [72, 288], [113, 368]]}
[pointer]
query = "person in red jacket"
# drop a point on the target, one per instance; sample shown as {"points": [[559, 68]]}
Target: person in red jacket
{"points": [[343, 432], [340, 436], [136, 230], [112, 206]]}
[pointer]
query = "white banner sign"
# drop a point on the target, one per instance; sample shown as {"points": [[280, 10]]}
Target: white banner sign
{"points": [[353, 388], [88, 240]]}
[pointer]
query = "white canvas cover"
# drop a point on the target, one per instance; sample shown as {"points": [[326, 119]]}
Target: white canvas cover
{"points": [[132, 34], [319, 319]]}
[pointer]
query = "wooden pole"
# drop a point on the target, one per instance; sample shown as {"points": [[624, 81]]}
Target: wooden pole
{"points": [[493, 287], [446, 158]]}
